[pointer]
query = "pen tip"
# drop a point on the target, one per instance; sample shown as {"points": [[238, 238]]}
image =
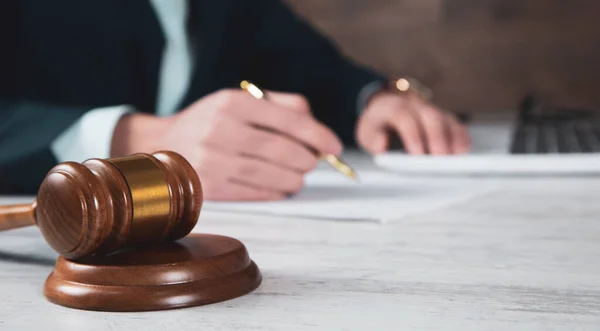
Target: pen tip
{"points": [[350, 173], [341, 166]]}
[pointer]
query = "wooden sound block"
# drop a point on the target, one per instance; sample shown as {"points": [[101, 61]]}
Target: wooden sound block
{"points": [[196, 270]]}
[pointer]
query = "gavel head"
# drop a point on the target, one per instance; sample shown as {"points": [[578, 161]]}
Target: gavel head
{"points": [[101, 206]]}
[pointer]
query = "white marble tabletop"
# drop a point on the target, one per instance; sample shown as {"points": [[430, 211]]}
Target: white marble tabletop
{"points": [[525, 256]]}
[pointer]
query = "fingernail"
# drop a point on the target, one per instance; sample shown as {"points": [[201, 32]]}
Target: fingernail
{"points": [[463, 149], [418, 149], [379, 145], [278, 196]]}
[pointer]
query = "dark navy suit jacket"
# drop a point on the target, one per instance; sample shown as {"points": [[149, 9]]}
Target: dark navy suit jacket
{"points": [[61, 58]]}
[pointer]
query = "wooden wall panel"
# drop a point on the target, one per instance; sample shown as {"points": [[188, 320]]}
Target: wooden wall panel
{"points": [[475, 54]]}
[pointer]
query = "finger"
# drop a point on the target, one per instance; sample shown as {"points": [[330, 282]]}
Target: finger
{"points": [[275, 148], [435, 127], [459, 135], [233, 191], [406, 126], [264, 175], [266, 145], [372, 135], [291, 101], [299, 125], [212, 167]]}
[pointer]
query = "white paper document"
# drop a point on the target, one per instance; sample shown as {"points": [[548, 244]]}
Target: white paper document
{"points": [[377, 197]]}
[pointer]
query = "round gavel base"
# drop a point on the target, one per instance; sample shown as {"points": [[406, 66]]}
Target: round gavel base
{"points": [[196, 270]]}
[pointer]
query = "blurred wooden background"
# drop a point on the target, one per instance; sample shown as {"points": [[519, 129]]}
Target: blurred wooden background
{"points": [[475, 54]]}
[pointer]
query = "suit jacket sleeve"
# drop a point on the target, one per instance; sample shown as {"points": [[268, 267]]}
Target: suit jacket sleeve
{"points": [[293, 56], [26, 132], [27, 128]]}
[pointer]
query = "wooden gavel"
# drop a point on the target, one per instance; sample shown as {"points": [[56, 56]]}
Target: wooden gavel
{"points": [[102, 206]]}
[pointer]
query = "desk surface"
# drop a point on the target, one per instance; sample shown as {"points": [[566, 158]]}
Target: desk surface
{"points": [[523, 257]]}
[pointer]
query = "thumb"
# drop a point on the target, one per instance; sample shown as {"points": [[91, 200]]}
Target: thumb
{"points": [[298, 104], [292, 101], [372, 136]]}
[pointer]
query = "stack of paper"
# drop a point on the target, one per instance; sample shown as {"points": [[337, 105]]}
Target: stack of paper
{"points": [[377, 197]]}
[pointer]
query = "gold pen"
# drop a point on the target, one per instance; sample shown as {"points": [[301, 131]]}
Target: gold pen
{"points": [[335, 161]]}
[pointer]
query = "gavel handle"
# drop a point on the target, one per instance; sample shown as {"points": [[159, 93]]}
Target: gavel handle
{"points": [[16, 216]]}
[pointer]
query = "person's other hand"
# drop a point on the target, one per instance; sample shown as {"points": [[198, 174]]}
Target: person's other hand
{"points": [[234, 142], [422, 127]]}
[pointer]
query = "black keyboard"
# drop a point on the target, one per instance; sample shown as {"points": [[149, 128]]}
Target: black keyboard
{"points": [[545, 130]]}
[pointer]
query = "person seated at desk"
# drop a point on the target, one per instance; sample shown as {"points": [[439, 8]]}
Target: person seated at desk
{"points": [[98, 79]]}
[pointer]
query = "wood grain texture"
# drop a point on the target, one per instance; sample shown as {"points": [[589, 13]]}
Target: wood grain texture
{"points": [[101, 206], [182, 178], [476, 55], [524, 257], [16, 216], [194, 271], [74, 211]]}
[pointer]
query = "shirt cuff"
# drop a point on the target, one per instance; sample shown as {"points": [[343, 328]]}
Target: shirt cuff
{"points": [[89, 137], [366, 93]]}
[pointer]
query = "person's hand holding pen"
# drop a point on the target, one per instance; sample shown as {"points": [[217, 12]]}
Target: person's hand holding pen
{"points": [[236, 142], [334, 160]]}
